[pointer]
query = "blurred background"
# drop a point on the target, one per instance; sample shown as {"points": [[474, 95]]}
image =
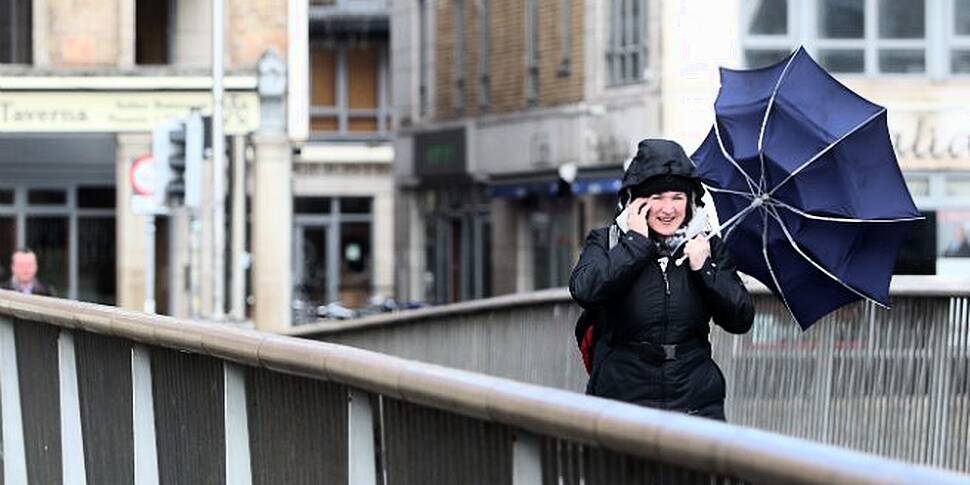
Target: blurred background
{"points": [[384, 154]]}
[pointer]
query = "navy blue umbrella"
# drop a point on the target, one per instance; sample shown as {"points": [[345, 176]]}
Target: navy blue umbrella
{"points": [[807, 186]]}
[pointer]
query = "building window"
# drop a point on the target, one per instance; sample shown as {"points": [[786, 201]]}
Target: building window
{"points": [[16, 40], [333, 254], [960, 38], [565, 35], [348, 89], [532, 52], [870, 37], [423, 68], [153, 21], [626, 55], [484, 40], [459, 55]]}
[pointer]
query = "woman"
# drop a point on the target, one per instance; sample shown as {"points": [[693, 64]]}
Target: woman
{"points": [[651, 315]]}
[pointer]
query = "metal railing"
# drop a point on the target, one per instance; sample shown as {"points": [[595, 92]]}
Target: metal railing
{"points": [[91, 394], [895, 383]]}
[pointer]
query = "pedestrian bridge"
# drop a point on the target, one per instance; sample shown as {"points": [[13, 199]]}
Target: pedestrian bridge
{"points": [[93, 394]]}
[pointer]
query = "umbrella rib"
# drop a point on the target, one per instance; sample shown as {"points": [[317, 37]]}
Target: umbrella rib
{"points": [[817, 266], [776, 202], [826, 150], [729, 191], [771, 271], [720, 143], [764, 120]]}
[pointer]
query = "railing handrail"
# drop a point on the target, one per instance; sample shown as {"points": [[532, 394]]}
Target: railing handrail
{"points": [[903, 285], [702, 445]]}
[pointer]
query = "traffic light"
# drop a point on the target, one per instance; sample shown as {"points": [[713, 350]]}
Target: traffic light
{"points": [[177, 150]]}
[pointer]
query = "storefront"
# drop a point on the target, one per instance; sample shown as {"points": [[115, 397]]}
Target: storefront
{"points": [[66, 149], [343, 241], [446, 223], [57, 198]]}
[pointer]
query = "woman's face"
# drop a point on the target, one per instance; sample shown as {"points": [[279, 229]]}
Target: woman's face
{"points": [[667, 212]]}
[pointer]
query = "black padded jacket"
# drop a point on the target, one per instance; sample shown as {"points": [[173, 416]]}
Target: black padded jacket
{"points": [[636, 308]]}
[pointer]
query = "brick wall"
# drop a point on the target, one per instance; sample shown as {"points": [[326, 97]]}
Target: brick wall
{"points": [[507, 61], [253, 27], [83, 33]]}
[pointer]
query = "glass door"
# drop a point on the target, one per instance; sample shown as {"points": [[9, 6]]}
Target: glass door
{"points": [[311, 281]]}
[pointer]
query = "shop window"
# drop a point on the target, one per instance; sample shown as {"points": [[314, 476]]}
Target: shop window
{"points": [[16, 39], [311, 205], [96, 197], [153, 20], [96, 259], [47, 197], [957, 187], [954, 226], [919, 186], [355, 205], [918, 253], [355, 264]]}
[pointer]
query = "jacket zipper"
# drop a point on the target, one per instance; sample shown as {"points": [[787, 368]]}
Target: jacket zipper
{"points": [[663, 338]]}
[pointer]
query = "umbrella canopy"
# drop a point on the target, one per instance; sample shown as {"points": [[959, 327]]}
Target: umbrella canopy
{"points": [[805, 180]]}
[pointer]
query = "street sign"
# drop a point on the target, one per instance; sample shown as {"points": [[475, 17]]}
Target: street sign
{"points": [[141, 179]]}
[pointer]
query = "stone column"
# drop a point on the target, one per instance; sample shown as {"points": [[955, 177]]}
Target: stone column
{"points": [[130, 232], [272, 202], [383, 250], [272, 232]]}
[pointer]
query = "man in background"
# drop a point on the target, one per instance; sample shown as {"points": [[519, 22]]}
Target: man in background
{"points": [[23, 266]]}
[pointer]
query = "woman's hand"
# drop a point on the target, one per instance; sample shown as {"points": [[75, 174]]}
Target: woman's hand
{"points": [[697, 251], [636, 217]]}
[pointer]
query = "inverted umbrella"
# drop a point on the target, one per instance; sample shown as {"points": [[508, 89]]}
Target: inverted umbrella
{"points": [[803, 174]]}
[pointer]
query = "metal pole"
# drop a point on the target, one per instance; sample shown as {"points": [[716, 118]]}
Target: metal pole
{"points": [[149, 264], [218, 167], [238, 274]]}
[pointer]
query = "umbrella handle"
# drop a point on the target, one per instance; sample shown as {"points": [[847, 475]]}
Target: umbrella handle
{"points": [[706, 237], [754, 204]]}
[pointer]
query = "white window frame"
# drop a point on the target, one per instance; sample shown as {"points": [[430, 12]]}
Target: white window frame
{"points": [[622, 44], [424, 54], [566, 37], [484, 54], [532, 52], [954, 41], [341, 108], [937, 44], [458, 75]]}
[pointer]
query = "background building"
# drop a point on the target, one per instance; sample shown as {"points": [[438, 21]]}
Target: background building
{"points": [[514, 117], [308, 200], [493, 97]]}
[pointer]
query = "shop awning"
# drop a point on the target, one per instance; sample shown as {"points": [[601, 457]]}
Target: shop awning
{"points": [[548, 185]]}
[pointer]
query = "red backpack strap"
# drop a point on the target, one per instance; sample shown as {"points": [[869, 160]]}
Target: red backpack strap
{"points": [[585, 337]]}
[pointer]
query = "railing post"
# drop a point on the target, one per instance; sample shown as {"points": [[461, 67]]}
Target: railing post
{"points": [[360, 427], [14, 456], [238, 469], [143, 417], [824, 357], [72, 439], [526, 459]]}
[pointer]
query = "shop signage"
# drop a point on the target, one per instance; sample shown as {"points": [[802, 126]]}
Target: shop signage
{"points": [[440, 154], [927, 139], [123, 111]]}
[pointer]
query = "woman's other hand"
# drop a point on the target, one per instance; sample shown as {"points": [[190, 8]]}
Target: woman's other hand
{"points": [[697, 251], [636, 217]]}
